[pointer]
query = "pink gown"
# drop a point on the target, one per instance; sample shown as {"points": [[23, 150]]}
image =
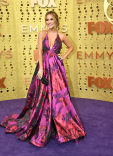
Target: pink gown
{"points": [[48, 110]]}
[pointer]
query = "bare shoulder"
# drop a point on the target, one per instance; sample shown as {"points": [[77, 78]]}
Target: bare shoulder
{"points": [[42, 33], [62, 36]]}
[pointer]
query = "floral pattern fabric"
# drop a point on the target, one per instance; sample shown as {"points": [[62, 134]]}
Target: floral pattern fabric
{"points": [[48, 110]]}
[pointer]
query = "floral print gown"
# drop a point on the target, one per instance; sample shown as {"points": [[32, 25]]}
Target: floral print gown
{"points": [[48, 111]]}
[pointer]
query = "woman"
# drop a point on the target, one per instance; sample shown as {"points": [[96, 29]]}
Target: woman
{"points": [[48, 111]]}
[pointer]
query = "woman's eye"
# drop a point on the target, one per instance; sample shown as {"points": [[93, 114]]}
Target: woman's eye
{"points": [[48, 19]]}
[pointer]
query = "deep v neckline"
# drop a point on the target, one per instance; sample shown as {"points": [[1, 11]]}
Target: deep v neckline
{"points": [[54, 40]]}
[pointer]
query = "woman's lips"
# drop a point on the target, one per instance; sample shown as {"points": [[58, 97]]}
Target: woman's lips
{"points": [[50, 24]]}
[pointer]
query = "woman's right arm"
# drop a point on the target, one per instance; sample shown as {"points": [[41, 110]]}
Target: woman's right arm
{"points": [[40, 54]]}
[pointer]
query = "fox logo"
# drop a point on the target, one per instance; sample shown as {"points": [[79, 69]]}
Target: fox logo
{"points": [[46, 3]]}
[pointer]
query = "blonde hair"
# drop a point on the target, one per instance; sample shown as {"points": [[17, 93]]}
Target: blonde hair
{"points": [[54, 14]]}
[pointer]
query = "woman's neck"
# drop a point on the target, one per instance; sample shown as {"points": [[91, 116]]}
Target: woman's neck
{"points": [[52, 30]]}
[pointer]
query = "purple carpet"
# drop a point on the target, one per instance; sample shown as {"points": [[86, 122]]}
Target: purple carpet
{"points": [[96, 116]]}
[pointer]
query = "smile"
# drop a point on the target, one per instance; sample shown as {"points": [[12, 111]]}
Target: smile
{"points": [[50, 24]]}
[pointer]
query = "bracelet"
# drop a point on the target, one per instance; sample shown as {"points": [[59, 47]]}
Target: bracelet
{"points": [[41, 69]]}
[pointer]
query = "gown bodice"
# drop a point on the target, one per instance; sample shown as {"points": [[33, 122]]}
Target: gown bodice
{"points": [[56, 47]]}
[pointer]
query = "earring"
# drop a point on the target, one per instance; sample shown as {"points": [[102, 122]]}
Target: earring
{"points": [[57, 27]]}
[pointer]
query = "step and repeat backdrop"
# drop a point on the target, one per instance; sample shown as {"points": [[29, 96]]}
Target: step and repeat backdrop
{"points": [[89, 26]]}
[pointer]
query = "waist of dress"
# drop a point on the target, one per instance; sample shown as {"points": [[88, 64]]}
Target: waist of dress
{"points": [[47, 53]]}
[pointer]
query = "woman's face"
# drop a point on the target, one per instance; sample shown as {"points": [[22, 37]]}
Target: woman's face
{"points": [[50, 21]]}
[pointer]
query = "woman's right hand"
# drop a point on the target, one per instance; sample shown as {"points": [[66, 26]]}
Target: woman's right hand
{"points": [[39, 74], [61, 57]]}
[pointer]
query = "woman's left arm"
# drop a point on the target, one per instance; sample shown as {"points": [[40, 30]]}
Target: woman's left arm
{"points": [[66, 41]]}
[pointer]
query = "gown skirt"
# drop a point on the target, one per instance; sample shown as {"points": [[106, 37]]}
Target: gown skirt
{"points": [[48, 111]]}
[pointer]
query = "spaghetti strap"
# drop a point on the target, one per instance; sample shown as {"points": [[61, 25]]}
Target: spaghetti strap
{"points": [[56, 37], [46, 33]]}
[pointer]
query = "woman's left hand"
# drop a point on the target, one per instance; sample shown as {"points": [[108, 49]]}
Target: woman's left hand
{"points": [[61, 57]]}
